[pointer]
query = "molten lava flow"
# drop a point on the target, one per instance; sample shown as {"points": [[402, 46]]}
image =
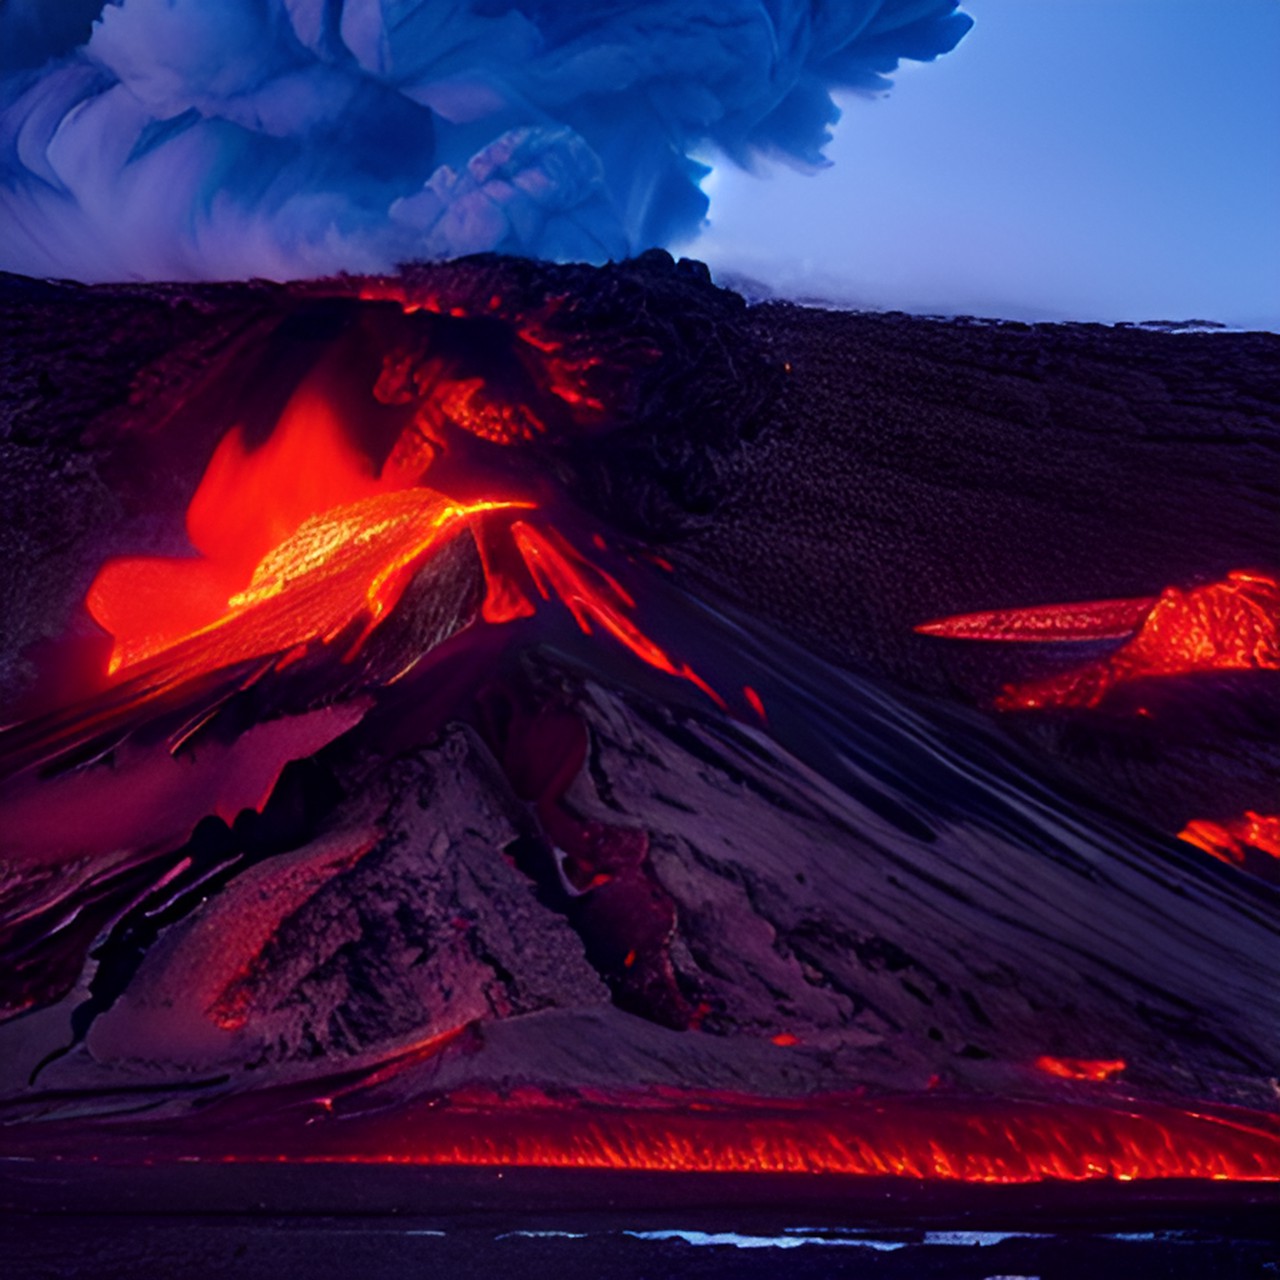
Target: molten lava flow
{"points": [[300, 538], [568, 371], [351, 562], [592, 594], [1081, 1068], [505, 599], [249, 506], [1232, 625], [1230, 841], [1089, 620], [968, 1140]]}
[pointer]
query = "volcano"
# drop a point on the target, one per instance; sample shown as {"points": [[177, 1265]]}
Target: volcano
{"points": [[515, 715]]}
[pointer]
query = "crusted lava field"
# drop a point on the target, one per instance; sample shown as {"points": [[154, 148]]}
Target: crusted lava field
{"points": [[528, 715]]}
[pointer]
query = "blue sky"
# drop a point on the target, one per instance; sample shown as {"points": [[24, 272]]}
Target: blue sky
{"points": [[1072, 159]]}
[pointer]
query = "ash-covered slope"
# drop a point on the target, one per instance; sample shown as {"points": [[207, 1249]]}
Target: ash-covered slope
{"points": [[533, 860]]}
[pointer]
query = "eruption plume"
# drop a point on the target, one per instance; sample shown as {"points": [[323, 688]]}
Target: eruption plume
{"points": [[169, 139]]}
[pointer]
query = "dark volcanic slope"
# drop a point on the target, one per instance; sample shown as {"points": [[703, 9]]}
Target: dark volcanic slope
{"points": [[949, 465], [846, 475], [916, 468], [924, 891]]}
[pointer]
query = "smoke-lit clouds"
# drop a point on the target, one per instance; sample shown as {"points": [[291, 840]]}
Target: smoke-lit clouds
{"points": [[187, 139]]}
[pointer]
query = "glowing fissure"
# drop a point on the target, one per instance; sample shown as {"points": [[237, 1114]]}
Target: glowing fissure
{"points": [[1231, 625], [1080, 1068], [1230, 841], [591, 594], [966, 1140]]}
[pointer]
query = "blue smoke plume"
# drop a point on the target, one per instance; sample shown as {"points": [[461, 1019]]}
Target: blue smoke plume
{"points": [[216, 139]]}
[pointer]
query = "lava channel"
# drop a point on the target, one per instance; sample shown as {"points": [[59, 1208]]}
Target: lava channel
{"points": [[1231, 625]]}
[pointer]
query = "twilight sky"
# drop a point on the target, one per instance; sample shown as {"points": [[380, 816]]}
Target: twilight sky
{"points": [[1072, 159]]}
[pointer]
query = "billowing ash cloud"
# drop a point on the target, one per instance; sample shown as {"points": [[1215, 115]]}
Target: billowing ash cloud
{"points": [[188, 139]]}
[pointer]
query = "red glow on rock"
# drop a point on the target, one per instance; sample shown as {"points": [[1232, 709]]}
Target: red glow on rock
{"points": [[380, 289], [249, 502], [784, 1039], [466, 404], [754, 702], [1089, 620], [1081, 1068], [924, 1137], [1232, 625], [1230, 841], [244, 939], [505, 599], [410, 1055], [593, 596]]}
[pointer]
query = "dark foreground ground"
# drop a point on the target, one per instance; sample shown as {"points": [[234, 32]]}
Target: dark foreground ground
{"points": [[322, 1221]]}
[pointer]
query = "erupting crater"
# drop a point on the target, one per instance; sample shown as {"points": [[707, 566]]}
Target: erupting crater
{"points": [[302, 537]]}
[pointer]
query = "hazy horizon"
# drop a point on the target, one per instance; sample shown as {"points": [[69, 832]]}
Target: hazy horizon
{"points": [[1070, 160]]}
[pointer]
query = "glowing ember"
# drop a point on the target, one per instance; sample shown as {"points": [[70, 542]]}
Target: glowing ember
{"points": [[1232, 625], [1230, 841], [755, 703], [927, 1138], [1081, 1068]]}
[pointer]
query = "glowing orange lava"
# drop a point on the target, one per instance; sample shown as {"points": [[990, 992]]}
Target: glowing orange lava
{"points": [[591, 594], [249, 502], [567, 371], [350, 562], [300, 539], [1081, 1068], [1230, 841], [1232, 625], [968, 1140], [1086, 620]]}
